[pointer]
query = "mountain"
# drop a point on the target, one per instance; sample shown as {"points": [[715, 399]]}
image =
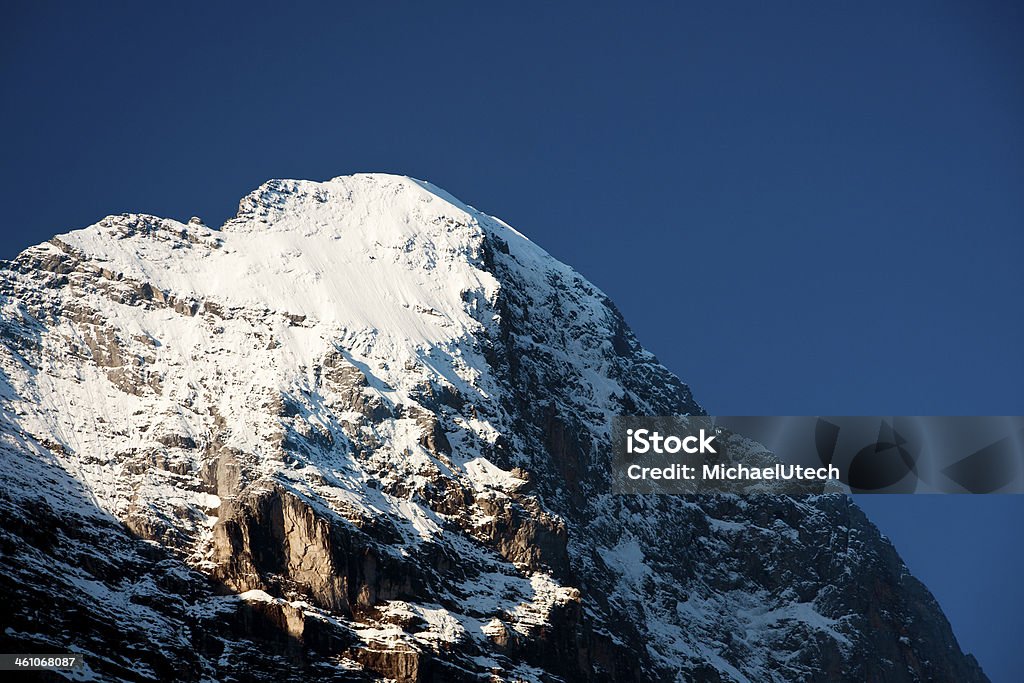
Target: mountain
{"points": [[362, 432]]}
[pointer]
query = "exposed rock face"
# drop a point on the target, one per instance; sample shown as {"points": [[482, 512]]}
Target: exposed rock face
{"points": [[362, 432]]}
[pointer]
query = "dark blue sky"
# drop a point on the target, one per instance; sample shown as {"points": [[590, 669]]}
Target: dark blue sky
{"points": [[804, 208]]}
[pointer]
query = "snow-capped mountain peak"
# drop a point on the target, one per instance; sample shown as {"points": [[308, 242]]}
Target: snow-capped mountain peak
{"points": [[377, 420]]}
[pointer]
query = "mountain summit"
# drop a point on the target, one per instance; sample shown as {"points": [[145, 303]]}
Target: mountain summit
{"points": [[362, 432]]}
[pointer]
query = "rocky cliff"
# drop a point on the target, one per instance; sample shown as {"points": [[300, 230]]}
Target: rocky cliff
{"points": [[361, 432]]}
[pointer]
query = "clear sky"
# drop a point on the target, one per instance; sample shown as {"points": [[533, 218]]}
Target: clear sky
{"points": [[802, 208]]}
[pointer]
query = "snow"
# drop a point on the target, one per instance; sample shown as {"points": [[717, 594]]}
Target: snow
{"points": [[360, 257], [256, 596], [384, 277], [760, 618], [627, 558], [485, 475], [386, 270]]}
